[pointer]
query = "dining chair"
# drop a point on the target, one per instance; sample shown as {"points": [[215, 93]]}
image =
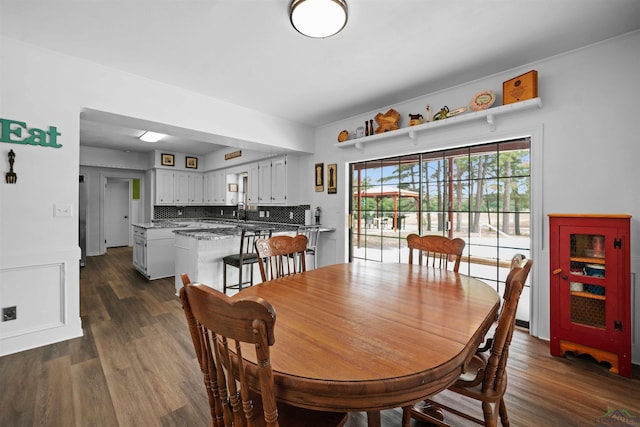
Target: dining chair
{"points": [[436, 251], [281, 256], [313, 234], [485, 377], [245, 256], [243, 395]]}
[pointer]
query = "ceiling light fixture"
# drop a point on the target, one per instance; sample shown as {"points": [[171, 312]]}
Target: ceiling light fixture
{"points": [[318, 18], [151, 136]]}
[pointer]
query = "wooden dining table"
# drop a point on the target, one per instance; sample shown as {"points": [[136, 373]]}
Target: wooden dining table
{"points": [[371, 336]]}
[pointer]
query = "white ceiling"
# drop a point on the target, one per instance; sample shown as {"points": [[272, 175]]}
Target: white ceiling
{"points": [[246, 52]]}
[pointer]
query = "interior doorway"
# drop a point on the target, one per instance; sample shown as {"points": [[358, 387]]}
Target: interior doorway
{"points": [[117, 217]]}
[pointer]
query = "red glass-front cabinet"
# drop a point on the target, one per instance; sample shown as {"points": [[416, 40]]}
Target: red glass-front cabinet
{"points": [[590, 287]]}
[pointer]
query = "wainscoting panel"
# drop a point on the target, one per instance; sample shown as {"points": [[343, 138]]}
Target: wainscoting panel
{"points": [[37, 292]]}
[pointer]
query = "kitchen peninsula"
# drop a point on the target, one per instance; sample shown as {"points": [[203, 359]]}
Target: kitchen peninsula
{"points": [[199, 251]]}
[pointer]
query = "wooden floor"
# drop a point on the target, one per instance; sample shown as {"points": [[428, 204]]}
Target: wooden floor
{"points": [[135, 366]]}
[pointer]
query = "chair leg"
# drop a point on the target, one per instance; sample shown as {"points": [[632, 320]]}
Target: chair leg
{"points": [[240, 277], [224, 278], [490, 417], [504, 417]]}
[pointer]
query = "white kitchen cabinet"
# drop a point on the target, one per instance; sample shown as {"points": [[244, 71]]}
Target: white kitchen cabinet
{"points": [[279, 180], [215, 183], [196, 188], [140, 249], [268, 182], [180, 188], [264, 185], [164, 187], [153, 252], [253, 192]]}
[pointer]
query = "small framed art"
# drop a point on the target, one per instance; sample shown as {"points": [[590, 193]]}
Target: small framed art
{"points": [[191, 162], [332, 178], [319, 174], [168, 159], [233, 188]]}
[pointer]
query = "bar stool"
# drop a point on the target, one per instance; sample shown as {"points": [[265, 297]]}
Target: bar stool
{"points": [[313, 233], [245, 256]]}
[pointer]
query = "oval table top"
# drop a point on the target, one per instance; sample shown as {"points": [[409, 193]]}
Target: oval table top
{"points": [[369, 336]]}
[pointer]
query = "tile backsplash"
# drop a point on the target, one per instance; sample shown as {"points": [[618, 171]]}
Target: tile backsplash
{"points": [[279, 214]]}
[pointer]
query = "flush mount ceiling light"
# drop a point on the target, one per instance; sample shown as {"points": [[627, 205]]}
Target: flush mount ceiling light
{"points": [[318, 18], [151, 136]]}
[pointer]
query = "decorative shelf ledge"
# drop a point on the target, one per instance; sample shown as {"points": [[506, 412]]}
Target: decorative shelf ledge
{"points": [[412, 131]]}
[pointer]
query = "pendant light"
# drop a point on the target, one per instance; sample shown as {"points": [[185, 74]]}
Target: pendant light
{"points": [[318, 18]]}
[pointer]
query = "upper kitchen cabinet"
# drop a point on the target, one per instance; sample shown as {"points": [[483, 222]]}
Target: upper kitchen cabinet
{"points": [[164, 187], [172, 188], [253, 192], [215, 191], [268, 182], [279, 180], [196, 188], [181, 188]]}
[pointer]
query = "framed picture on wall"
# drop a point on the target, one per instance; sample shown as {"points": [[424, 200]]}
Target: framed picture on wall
{"points": [[332, 178], [319, 175], [168, 159], [233, 188], [191, 162]]}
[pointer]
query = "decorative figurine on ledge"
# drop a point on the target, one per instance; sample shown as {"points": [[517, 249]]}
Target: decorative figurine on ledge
{"points": [[11, 177], [387, 121], [343, 136], [415, 119], [442, 114]]}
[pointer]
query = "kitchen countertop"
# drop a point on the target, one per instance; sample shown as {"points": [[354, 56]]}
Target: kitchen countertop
{"points": [[223, 232], [221, 227]]}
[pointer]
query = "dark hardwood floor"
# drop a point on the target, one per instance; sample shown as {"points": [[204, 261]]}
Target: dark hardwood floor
{"points": [[135, 366]]}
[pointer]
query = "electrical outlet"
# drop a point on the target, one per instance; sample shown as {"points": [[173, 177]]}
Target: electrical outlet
{"points": [[221, 211], [9, 313], [261, 214], [267, 214], [62, 210], [291, 215]]}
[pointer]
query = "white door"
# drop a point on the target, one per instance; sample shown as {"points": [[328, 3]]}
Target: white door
{"points": [[116, 212]]}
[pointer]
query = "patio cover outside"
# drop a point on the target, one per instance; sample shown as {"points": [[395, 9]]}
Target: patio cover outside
{"points": [[380, 192]]}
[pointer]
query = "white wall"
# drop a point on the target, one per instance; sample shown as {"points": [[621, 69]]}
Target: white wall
{"points": [[585, 148], [39, 253]]}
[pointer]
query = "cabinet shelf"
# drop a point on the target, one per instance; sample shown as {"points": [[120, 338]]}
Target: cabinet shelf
{"points": [[412, 131], [588, 295], [588, 260]]}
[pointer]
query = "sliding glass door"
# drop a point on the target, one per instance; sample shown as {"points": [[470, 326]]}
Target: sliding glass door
{"points": [[479, 193]]}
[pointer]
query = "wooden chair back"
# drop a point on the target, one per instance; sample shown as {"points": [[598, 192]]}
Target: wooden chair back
{"points": [[494, 376], [518, 260], [281, 256], [436, 251], [221, 330]]}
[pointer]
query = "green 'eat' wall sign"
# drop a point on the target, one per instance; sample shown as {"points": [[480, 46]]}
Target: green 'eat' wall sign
{"points": [[11, 132]]}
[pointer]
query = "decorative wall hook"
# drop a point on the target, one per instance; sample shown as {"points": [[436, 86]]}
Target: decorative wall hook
{"points": [[11, 177]]}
